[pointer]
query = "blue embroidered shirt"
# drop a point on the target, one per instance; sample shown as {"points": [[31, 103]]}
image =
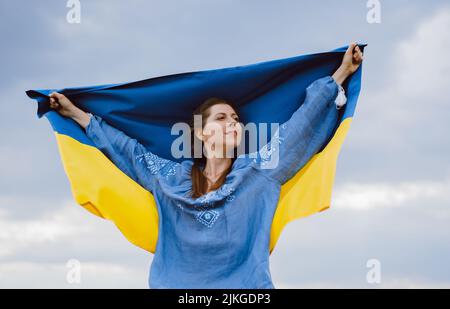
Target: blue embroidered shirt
{"points": [[221, 239]]}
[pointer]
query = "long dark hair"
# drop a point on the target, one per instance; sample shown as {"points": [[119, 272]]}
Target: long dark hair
{"points": [[199, 180]]}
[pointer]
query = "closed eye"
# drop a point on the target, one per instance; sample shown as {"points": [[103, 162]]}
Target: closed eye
{"points": [[221, 117]]}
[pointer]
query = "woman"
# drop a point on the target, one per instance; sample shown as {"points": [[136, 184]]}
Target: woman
{"points": [[215, 212]]}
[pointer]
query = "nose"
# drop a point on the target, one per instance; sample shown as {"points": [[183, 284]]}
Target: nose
{"points": [[232, 123], [231, 126]]}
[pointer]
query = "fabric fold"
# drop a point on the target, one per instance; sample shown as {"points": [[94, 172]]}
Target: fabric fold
{"points": [[265, 92]]}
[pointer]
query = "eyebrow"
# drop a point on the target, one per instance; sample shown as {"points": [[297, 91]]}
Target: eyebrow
{"points": [[233, 114]]}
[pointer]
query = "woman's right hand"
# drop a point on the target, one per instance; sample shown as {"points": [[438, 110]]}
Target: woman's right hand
{"points": [[62, 104], [65, 107]]}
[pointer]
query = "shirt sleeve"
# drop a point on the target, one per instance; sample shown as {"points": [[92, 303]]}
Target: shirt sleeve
{"points": [[295, 141], [130, 156]]}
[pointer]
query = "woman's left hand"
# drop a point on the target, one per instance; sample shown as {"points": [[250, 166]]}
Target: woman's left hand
{"points": [[353, 58]]}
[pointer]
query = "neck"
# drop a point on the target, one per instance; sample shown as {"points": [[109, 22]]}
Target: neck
{"points": [[216, 166]]}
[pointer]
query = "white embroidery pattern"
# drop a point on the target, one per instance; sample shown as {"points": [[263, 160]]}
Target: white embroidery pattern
{"points": [[230, 197], [180, 206], [204, 214], [207, 216], [265, 153], [157, 164], [225, 190]]}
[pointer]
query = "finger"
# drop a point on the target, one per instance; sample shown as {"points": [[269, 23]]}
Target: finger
{"points": [[350, 48], [56, 95], [359, 60], [54, 103], [59, 95]]}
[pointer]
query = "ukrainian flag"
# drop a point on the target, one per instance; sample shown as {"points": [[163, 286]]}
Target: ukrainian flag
{"points": [[266, 92]]}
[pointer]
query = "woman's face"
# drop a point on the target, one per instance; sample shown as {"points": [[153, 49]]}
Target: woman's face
{"points": [[222, 131]]}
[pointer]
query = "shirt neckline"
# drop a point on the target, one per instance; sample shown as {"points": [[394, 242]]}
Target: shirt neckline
{"points": [[181, 191]]}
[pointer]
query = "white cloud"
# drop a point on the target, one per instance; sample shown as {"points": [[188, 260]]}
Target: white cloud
{"points": [[408, 283], [406, 114], [40, 246], [422, 62], [415, 87], [52, 227], [92, 275], [368, 196], [389, 283]]}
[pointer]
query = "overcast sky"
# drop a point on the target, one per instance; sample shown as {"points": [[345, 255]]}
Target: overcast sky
{"points": [[392, 189]]}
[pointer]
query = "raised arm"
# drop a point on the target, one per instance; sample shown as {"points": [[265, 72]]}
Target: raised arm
{"points": [[295, 141], [299, 138], [130, 156]]}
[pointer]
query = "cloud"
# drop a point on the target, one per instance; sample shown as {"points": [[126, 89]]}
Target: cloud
{"points": [[416, 87], [40, 246], [50, 228], [54, 275], [331, 249], [398, 212], [391, 283], [422, 64], [363, 197], [65, 226], [399, 128]]}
